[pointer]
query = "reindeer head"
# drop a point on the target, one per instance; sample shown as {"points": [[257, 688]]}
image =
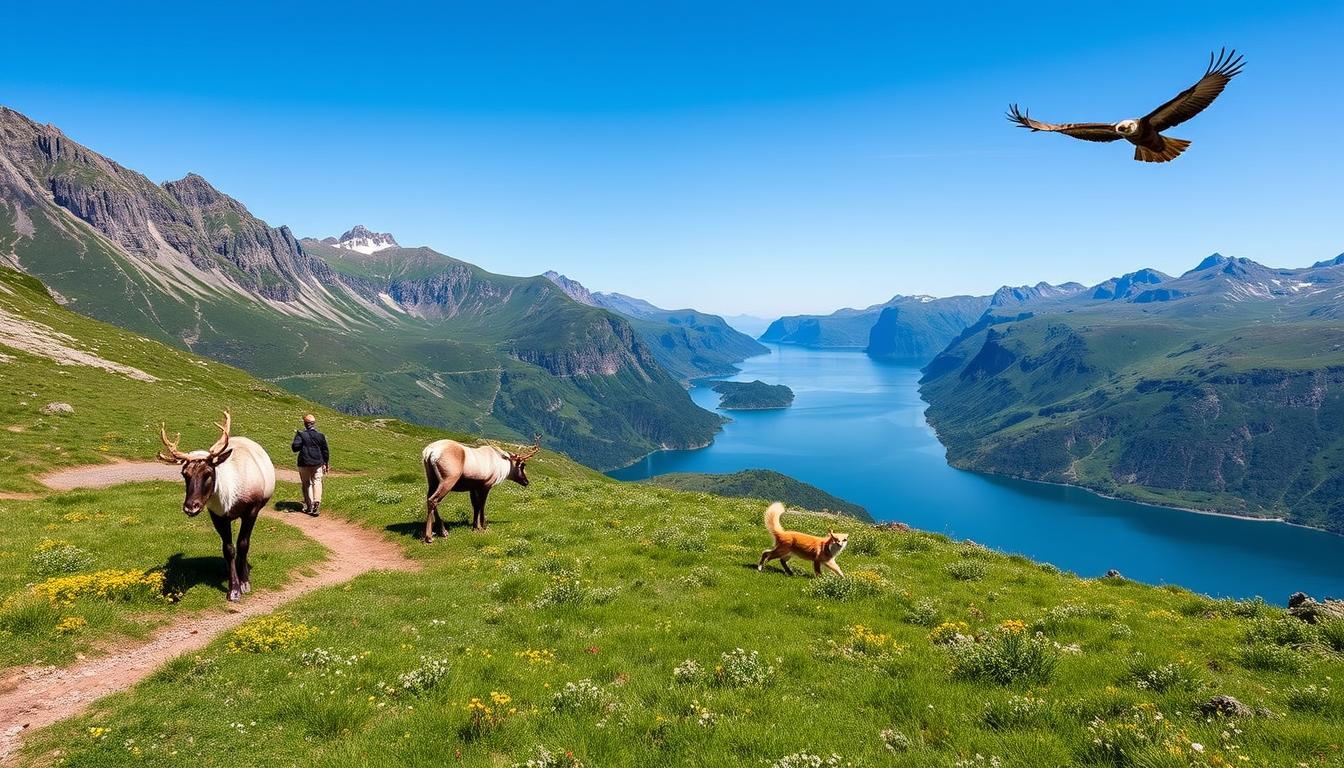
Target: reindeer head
{"points": [[518, 461], [198, 467]]}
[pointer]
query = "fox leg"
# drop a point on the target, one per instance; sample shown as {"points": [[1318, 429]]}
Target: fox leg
{"points": [[784, 561], [830, 564]]}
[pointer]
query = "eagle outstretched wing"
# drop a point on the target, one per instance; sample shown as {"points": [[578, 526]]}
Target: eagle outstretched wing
{"points": [[1197, 97], [1084, 131]]}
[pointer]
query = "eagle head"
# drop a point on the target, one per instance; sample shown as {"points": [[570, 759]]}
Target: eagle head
{"points": [[1127, 127]]}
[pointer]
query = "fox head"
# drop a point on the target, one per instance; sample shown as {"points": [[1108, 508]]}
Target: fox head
{"points": [[835, 542]]}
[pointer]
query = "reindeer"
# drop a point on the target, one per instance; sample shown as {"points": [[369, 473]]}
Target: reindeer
{"points": [[234, 480], [452, 466]]}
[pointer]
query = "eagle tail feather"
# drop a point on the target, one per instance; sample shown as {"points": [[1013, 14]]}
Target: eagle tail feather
{"points": [[1171, 149]]}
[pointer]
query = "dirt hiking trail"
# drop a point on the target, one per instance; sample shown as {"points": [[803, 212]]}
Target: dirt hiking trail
{"points": [[33, 697]]}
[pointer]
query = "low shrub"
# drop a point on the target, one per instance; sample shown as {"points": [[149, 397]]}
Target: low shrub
{"points": [[425, 677], [1308, 698], [1005, 656], [1282, 630], [1272, 658], [1149, 675], [545, 758], [739, 668], [688, 672], [864, 543], [1015, 712], [1332, 634], [56, 557], [579, 695], [967, 570], [841, 588], [923, 614]]}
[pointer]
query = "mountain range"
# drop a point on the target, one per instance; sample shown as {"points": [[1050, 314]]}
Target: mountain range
{"points": [[689, 344], [1220, 389], [904, 328], [358, 322]]}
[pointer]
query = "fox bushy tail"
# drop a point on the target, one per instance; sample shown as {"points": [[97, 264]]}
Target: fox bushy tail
{"points": [[772, 515]]}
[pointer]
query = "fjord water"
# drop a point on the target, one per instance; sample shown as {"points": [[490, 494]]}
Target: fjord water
{"points": [[857, 430]]}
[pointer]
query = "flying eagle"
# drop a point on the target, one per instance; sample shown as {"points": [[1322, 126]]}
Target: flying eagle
{"points": [[1150, 146]]}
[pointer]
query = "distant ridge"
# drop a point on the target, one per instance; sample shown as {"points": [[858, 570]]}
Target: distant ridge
{"points": [[688, 343]]}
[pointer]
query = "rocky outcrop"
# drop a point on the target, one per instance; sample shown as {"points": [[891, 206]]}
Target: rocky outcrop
{"points": [[1308, 609]]}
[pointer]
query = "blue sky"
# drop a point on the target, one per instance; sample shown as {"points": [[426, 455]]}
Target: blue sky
{"points": [[765, 158]]}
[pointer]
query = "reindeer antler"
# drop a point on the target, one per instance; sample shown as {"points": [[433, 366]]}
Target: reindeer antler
{"points": [[223, 442], [174, 456], [536, 446]]}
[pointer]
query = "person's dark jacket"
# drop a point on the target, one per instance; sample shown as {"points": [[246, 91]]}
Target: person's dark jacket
{"points": [[311, 446]]}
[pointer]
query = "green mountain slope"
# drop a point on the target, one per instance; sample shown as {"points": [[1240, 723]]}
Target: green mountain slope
{"points": [[1222, 390], [408, 333], [764, 485], [919, 329], [689, 344], [610, 614], [906, 327]]}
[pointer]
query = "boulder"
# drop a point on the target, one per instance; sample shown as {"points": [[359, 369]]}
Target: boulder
{"points": [[55, 408], [1113, 574], [1226, 706], [1308, 609]]}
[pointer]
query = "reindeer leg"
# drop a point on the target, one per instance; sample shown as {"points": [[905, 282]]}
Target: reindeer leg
{"points": [[244, 544], [224, 527], [478, 502], [432, 508]]}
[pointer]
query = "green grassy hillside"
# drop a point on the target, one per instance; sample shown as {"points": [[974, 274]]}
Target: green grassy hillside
{"points": [[1222, 390], [764, 485], [605, 624]]}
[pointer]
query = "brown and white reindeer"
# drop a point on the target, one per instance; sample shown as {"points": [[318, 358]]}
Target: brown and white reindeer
{"points": [[452, 466], [234, 479]]}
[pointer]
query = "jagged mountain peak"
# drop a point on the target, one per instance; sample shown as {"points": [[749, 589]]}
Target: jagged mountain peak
{"points": [[572, 288], [1010, 295], [361, 239], [1335, 262], [195, 189], [1128, 285]]}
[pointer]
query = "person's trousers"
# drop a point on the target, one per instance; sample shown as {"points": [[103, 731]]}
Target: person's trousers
{"points": [[311, 479]]}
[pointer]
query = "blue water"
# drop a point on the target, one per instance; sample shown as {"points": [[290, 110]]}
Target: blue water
{"points": [[857, 430]]}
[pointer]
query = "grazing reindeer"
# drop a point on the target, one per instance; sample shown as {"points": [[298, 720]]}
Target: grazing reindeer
{"points": [[452, 466], [234, 480]]}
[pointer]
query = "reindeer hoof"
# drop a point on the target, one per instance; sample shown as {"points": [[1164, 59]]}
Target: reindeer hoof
{"points": [[234, 596], [428, 539], [760, 569], [247, 587]]}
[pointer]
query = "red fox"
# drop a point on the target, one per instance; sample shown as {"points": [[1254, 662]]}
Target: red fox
{"points": [[821, 550]]}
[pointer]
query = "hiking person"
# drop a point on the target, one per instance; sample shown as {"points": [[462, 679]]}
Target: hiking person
{"points": [[314, 462]]}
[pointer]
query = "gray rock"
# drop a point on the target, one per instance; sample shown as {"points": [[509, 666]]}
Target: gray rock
{"points": [[55, 408], [1308, 609], [1226, 706], [1113, 574]]}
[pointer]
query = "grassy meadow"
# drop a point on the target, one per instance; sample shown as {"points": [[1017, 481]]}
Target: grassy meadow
{"points": [[603, 624]]}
